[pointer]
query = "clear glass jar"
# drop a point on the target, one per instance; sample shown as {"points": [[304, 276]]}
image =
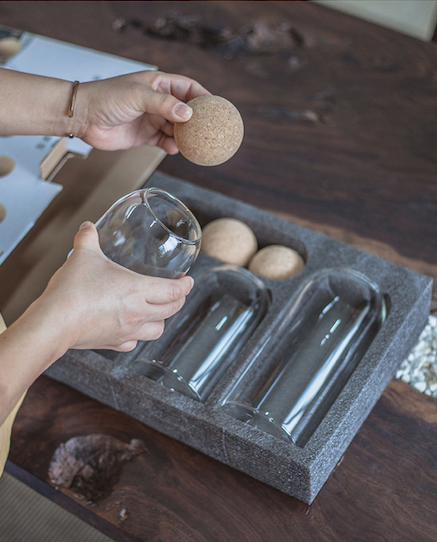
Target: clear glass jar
{"points": [[200, 342], [293, 380], [151, 232]]}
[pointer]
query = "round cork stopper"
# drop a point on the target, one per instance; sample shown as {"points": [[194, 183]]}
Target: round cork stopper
{"points": [[276, 262], [9, 47], [213, 134], [229, 240]]}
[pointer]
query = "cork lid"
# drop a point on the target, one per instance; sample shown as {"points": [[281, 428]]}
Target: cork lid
{"points": [[213, 134]]}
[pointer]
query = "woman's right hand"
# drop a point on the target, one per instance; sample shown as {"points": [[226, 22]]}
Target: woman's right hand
{"points": [[100, 304]]}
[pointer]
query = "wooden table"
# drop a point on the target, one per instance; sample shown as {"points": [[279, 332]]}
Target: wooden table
{"points": [[340, 134]]}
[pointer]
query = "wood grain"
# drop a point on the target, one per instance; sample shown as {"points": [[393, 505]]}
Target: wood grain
{"points": [[367, 165], [339, 137], [383, 487]]}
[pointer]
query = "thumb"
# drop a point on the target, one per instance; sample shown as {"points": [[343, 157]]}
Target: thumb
{"points": [[167, 106], [87, 237]]}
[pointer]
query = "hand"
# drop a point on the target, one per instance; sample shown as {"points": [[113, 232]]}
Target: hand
{"points": [[134, 109], [90, 302], [99, 304]]}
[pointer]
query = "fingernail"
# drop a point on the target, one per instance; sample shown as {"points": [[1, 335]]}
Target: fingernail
{"points": [[85, 225], [191, 282], [183, 111]]}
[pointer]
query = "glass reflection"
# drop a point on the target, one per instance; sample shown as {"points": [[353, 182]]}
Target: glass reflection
{"points": [[150, 232], [327, 332], [202, 340]]}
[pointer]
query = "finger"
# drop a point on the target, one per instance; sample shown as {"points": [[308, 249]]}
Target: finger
{"points": [[152, 331], [165, 105], [179, 86], [162, 291], [168, 129], [165, 310], [124, 347], [166, 140], [87, 238], [167, 144], [163, 137], [168, 93]]}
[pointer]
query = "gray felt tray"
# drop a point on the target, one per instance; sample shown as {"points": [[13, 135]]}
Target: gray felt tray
{"points": [[299, 471]]}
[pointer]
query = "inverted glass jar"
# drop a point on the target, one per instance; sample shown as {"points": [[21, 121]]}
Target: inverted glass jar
{"points": [[151, 232], [200, 342], [294, 379]]}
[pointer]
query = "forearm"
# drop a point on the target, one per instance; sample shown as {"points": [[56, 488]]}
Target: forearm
{"points": [[27, 349], [34, 105], [90, 302]]}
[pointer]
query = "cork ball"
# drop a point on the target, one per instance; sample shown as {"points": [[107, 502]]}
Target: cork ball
{"points": [[9, 47], [213, 134], [276, 262], [229, 240]]}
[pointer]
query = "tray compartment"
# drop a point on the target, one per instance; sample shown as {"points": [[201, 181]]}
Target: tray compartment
{"points": [[295, 377], [202, 340]]}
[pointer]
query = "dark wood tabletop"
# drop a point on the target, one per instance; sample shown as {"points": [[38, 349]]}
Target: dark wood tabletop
{"points": [[339, 137]]}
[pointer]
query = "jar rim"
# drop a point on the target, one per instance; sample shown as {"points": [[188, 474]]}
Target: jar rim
{"points": [[160, 191]]}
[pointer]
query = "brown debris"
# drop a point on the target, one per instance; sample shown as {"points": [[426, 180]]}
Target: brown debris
{"points": [[92, 464], [260, 38]]}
